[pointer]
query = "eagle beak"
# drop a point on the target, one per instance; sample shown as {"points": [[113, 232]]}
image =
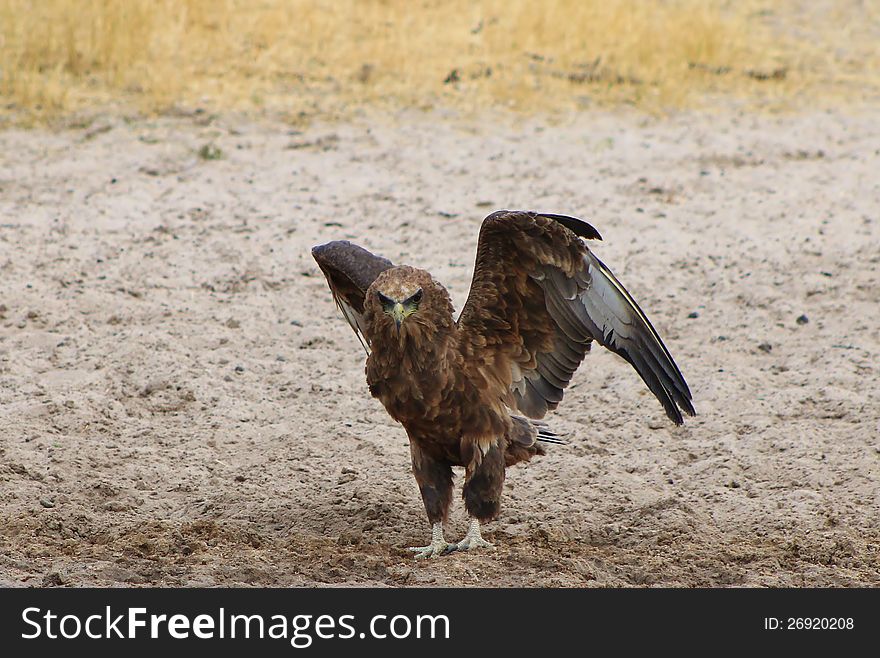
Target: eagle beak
{"points": [[398, 314]]}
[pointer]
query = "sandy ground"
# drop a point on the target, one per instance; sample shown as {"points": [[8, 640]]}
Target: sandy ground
{"points": [[180, 403]]}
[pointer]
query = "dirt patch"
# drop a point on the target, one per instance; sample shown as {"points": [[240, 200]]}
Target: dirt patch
{"points": [[181, 404]]}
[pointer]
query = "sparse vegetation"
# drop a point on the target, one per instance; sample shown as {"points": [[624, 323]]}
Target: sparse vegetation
{"points": [[210, 152], [307, 57]]}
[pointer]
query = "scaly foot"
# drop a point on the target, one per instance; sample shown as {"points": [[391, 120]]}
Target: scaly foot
{"points": [[473, 539], [438, 546]]}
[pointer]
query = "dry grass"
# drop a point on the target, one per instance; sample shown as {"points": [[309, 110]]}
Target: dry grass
{"points": [[308, 57]]}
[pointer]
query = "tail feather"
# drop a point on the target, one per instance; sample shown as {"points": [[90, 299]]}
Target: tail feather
{"points": [[535, 430], [546, 435]]}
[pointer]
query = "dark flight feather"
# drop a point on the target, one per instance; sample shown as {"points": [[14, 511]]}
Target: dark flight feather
{"points": [[582, 300]]}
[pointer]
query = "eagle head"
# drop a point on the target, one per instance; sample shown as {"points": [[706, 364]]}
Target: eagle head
{"points": [[399, 293]]}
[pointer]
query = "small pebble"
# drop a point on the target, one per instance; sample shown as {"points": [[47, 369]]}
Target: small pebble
{"points": [[53, 579], [802, 319]]}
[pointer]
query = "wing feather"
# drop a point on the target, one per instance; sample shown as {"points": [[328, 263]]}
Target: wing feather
{"points": [[538, 299], [632, 335], [549, 370], [349, 270]]}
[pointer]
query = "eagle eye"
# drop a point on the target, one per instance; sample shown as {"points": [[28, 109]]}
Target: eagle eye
{"points": [[387, 302], [416, 297]]}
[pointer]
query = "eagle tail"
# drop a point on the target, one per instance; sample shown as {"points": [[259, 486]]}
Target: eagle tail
{"points": [[529, 430], [546, 435]]}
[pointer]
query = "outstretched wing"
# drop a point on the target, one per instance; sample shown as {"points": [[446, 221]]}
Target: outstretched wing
{"points": [[538, 299], [350, 270]]}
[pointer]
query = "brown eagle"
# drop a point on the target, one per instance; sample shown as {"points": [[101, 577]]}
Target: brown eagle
{"points": [[469, 392]]}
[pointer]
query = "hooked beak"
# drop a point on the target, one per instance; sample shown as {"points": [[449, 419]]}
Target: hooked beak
{"points": [[398, 314]]}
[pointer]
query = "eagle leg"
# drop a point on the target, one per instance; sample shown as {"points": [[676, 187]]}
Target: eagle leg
{"points": [[473, 539], [435, 484], [438, 546], [484, 482]]}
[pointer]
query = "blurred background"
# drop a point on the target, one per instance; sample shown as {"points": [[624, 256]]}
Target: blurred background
{"points": [[307, 58]]}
